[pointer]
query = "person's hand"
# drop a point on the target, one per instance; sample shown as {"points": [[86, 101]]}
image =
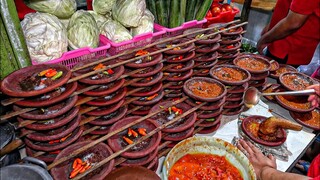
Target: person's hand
{"points": [[315, 98], [255, 156], [261, 45]]}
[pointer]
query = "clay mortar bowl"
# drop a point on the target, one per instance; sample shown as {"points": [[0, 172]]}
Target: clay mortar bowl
{"points": [[109, 99], [147, 91], [209, 130], [186, 57], [233, 104], [231, 112], [229, 55], [140, 161], [207, 48], [103, 130], [182, 50], [209, 40], [146, 63], [258, 83], [149, 71], [142, 111], [105, 89], [226, 40], [213, 121], [132, 172], [10, 85], [110, 118], [234, 97], [209, 106], [117, 143], [54, 134], [206, 65], [179, 136], [118, 71], [49, 112], [268, 88], [181, 76], [237, 31], [164, 117], [219, 73], [295, 81], [49, 98], [194, 82], [260, 76], [105, 110], [52, 123], [225, 49], [207, 57], [47, 158], [185, 67], [143, 102], [237, 89], [209, 114], [145, 82], [245, 61], [99, 151], [282, 69]]}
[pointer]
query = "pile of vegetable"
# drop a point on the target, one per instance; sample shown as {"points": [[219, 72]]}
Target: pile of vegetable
{"points": [[216, 9], [173, 13], [57, 25]]}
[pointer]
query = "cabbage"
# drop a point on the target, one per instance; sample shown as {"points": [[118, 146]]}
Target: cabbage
{"points": [[60, 8], [65, 22], [146, 24], [114, 31], [83, 30], [129, 12], [99, 18], [103, 6], [45, 36]]}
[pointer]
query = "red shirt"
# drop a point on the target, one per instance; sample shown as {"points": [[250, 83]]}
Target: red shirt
{"points": [[314, 169], [300, 45]]}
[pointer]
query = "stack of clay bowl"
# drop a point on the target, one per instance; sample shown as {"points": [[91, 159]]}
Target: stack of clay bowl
{"points": [[182, 70], [181, 129], [55, 117], [211, 91], [142, 154], [293, 81], [236, 81], [230, 45], [283, 68], [103, 104], [258, 67], [206, 51], [144, 74]]}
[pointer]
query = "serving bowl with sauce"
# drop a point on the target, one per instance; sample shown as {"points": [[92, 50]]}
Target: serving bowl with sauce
{"points": [[310, 119], [295, 81], [253, 63], [230, 75], [204, 89], [295, 103], [282, 69], [204, 150]]}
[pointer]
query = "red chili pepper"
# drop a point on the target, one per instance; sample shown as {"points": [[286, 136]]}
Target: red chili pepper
{"points": [[86, 167], [174, 109], [175, 99], [75, 172], [152, 97], [42, 73], [142, 131], [134, 133], [141, 52], [230, 47], [75, 163], [129, 132], [110, 71], [178, 66], [65, 138], [198, 102], [205, 71], [178, 58], [54, 141], [51, 73], [55, 152], [99, 66], [129, 141]]}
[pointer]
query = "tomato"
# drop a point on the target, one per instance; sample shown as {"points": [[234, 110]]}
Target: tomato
{"points": [[223, 9], [215, 11], [209, 14], [227, 7], [215, 4]]}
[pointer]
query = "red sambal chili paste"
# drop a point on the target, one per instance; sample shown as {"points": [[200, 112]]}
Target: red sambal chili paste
{"points": [[203, 166]]}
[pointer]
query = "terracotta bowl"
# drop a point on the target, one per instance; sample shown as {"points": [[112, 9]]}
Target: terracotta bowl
{"points": [[142, 112], [209, 114], [164, 117], [132, 172], [247, 61], [49, 112], [258, 83], [233, 104], [145, 82], [260, 76], [109, 99], [207, 48], [105, 110], [234, 97], [232, 112], [147, 91], [46, 146], [148, 71], [100, 152], [230, 39], [180, 76], [184, 49], [207, 57], [274, 65], [237, 89], [295, 103], [270, 88], [225, 48], [209, 130], [282, 69], [140, 161], [10, 85], [143, 102], [237, 31], [220, 72], [145, 63], [117, 143], [173, 95], [185, 67], [47, 158], [210, 122], [110, 118], [52, 123], [105, 89], [177, 85], [209, 40], [255, 121], [49, 98], [103, 130], [185, 57], [310, 119], [295, 81], [118, 71], [194, 83], [209, 106], [179, 136], [54, 134], [205, 65], [229, 55]]}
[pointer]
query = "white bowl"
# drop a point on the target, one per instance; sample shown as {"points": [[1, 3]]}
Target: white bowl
{"points": [[209, 145]]}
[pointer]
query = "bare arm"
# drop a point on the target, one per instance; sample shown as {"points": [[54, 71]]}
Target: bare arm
{"points": [[285, 27], [268, 173]]}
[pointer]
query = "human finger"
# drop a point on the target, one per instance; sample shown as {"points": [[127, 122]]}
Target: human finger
{"points": [[311, 97], [253, 147], [245, 146]]}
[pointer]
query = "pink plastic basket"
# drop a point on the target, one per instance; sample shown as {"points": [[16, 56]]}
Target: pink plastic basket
{"points": [[137, 41], [71, 58], [180, 29]]}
